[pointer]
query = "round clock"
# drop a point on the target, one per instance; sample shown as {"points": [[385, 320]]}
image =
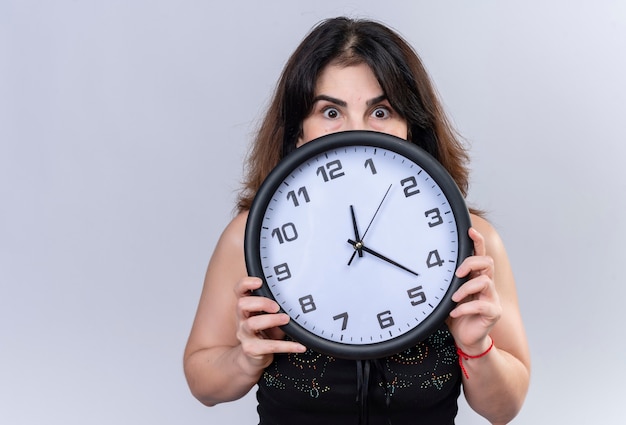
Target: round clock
{"points": [[357, 235]]}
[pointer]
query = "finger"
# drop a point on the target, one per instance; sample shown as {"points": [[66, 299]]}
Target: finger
{"points": [[479, 242], [480, 285], [487, 310], [262, 322], [246, 285], [263, 347], [274, 333], [254, 325], [250, 305], [258, 335], [478, 264]]}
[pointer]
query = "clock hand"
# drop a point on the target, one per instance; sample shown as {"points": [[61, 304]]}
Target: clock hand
{"points": [[359, 246], [356, 233], [369, 225], [377, 209]]}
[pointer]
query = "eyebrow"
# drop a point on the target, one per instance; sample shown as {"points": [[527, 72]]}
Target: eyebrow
{"points": [[376, 100], [343, 103], [330, 99]]}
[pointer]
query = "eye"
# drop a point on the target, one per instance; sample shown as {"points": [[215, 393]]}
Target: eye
{"points": [[381, 112], [331, 113]]}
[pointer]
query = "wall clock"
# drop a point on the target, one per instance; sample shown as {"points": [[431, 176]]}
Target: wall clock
{"points": [[357, 236]]}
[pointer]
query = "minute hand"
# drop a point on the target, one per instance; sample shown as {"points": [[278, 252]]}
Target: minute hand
{"points": [[359, 245]]}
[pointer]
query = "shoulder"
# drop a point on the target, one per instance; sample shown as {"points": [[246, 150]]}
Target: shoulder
{"points": [[234, 232], [229, 250], [237, 225], [482, 225]]}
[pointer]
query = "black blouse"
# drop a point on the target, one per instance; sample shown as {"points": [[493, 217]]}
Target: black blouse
{"points": [[418, 386]]}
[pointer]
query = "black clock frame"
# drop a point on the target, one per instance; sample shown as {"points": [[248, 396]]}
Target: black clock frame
{"points": [[348, 139]]}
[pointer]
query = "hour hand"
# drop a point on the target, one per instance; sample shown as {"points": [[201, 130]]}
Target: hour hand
{"points": [[359, 246], [356, 233]]}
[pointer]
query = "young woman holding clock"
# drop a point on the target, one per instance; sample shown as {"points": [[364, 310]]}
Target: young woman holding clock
{"points": [[358, 75]]}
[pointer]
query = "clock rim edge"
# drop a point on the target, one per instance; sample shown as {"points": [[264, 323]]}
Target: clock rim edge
{"points": [[339, 140]]}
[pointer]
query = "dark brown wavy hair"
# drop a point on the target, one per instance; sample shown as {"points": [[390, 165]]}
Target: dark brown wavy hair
{"points": [[399, 72]]}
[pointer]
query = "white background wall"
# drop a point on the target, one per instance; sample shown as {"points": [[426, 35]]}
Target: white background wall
{"points": [[123, 125]]}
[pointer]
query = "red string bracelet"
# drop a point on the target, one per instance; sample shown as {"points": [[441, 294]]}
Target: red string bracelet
{"points": [[465, 356]]}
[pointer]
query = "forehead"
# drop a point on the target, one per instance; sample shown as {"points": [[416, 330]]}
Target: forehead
{"points": [[347, 78]]}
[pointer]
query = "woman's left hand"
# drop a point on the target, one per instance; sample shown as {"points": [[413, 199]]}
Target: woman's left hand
{"points": [[478, 307]]}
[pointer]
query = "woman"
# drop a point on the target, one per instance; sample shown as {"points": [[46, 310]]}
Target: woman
{"points": [[358, 75]]}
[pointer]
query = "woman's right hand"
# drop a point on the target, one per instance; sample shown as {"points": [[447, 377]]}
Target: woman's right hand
{"points": [[258, 322], [235, 333]]}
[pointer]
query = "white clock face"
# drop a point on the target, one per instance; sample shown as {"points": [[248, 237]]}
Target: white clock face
{"points": [[358, 245]]}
